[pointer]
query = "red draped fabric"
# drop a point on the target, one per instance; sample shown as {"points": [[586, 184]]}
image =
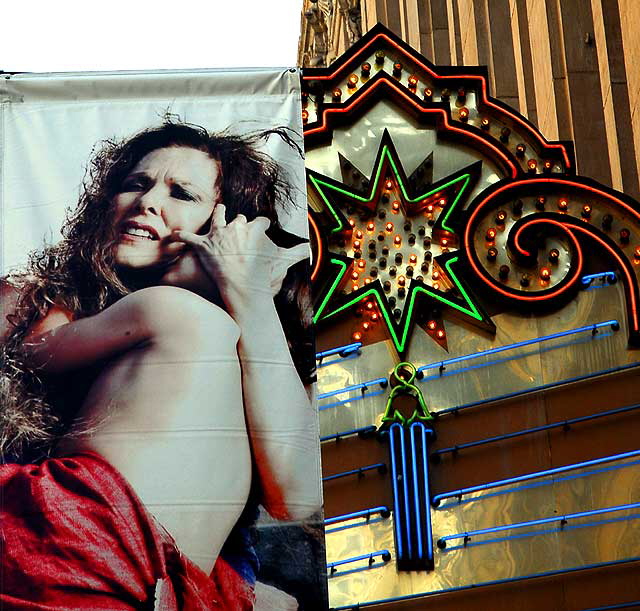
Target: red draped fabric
{"points": [[75, 537]]}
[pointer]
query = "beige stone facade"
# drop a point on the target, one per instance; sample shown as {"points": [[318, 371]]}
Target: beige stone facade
{"points": [[571, 66]]}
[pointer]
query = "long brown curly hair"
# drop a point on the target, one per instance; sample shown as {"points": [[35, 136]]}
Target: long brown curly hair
{"points": [[79, 274]]}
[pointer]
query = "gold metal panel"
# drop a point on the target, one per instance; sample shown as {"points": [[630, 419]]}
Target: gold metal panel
{"points": [[488, 557]]}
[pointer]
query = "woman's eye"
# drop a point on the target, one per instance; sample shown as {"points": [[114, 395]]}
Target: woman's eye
{"points": [[181, 193], [134, 185]]}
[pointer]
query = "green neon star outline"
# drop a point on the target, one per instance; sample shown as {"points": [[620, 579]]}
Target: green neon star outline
{"points": [[400, 340], [318, 183]]}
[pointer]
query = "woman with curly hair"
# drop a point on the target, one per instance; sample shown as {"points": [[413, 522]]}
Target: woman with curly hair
{"points": [[148, 386]]}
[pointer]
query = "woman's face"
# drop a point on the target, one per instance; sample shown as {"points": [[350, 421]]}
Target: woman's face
{"points": [[170, 188]]}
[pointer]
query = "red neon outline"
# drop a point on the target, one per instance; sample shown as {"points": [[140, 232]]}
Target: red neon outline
{"points": [[624, 269], [385, 80], [434, 75], [481, 274], [316, 231], [546, 295]]}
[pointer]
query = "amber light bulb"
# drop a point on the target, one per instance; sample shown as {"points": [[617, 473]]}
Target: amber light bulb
{"points": [[389, 227], [636, 253], [356, 244], [491, 234], [413, 259], [586, 211], [463, 114], [444, 242], [545, 273], [501, 217], [554, 255], [375, 317], [432, 324], [430, 208], [355, 275], [395, 206], [532, 164], [485, 124], [563, 204], [366, 325], [435, 275], [352, 81], [305, 116], [413, 81], [367, 280], [370, 305], [440, 334], [625, 234], [397, 240], [401, 280], [358, 234], [361, 263], [357, 336], [337, 94], [352, 222]]}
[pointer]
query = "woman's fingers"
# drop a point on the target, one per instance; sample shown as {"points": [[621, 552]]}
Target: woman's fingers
{"points": [[295, 254], [284, 258], [218, 218], [192, 239]]}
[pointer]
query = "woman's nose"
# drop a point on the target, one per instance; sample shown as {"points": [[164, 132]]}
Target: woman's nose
{"points": [[149, 202]]}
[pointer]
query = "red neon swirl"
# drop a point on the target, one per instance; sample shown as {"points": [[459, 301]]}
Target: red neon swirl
{"points": [[474, 77], [448, 126], [491, 283], [319, 255], [624, 268], [555, 293]]}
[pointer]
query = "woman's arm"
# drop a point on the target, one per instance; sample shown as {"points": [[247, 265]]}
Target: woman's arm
{"points": [[60, 345], [248, 269]]}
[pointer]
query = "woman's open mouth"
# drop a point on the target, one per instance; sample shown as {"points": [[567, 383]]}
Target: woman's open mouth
{"points": [[137, 232]]}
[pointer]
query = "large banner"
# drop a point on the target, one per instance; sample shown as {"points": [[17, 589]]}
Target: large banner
{"points": [[159, 438]]}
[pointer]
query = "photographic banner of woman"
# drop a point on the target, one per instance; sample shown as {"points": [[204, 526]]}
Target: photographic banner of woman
{"points": [[158, 433]]}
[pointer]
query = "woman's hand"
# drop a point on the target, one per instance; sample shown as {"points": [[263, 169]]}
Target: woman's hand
{"points": [[240, 259]]}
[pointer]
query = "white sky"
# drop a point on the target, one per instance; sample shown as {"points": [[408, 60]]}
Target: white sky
{"points": [[74, 35]]}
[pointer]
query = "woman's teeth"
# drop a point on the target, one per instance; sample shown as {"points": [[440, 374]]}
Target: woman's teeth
{"points": [[142, 233]]}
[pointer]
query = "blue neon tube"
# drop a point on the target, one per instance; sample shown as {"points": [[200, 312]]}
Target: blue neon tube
{"points": [[538, 522], [364, 513], [416, 491], [350, 388], [396, 506], [627, 605], [528, 342], [523, 478], [379, 465], [586, 280], [405, 487], [473, 586], [537, 429], [365, 429], [427, 508], [384, 553], [535, 389], [348, 349]]}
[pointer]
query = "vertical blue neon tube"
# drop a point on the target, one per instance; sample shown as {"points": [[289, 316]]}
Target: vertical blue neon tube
{"points": [[396, 505]]}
